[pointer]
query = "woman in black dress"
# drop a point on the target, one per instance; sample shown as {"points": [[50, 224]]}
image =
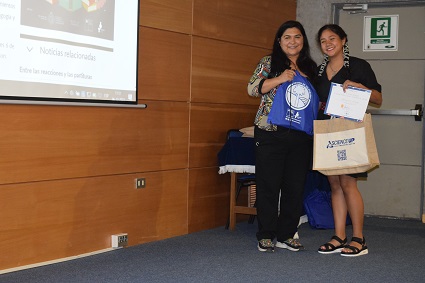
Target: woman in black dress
{"points": [[339, 67]]}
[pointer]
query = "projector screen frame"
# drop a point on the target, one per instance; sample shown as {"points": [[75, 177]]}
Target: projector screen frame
{"points": [[24, 98]]}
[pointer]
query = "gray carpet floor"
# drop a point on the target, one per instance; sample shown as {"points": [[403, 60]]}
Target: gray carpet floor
{"points": [[396, 254]]}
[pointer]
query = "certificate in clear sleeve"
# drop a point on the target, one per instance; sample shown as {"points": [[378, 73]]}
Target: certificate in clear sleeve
{"points": [[351, 104]]}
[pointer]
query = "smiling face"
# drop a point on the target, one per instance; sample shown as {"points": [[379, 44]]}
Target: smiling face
{"points": [[291, 42], [331, 44]]}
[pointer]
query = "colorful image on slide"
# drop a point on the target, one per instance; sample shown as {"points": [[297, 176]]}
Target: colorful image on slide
{"points": [[94, 18]]}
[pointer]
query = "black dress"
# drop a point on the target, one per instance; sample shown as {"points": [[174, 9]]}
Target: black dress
{"points": [[359, 71]]}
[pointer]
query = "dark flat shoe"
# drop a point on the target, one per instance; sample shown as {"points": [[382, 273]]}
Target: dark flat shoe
{"points": [[331, 249], [354, 251]]}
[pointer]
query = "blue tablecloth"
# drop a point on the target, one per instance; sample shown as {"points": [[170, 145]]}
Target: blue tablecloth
{"points": [[237, 155]]}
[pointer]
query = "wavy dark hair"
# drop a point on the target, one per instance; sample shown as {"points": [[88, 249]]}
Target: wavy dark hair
{"points": [[281, 62]]}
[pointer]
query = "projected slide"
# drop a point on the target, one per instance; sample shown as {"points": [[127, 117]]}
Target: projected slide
{"points": [[70, 50]]}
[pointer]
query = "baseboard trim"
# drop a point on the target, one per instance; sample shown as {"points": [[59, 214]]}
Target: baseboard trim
{"points": [[55, 261]]}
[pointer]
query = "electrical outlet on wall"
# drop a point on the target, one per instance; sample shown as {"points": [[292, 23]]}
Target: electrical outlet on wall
{"points": [[119, 240], [140, 183]]}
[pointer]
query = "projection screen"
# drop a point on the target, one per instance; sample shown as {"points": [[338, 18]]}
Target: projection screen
{"points": [[69, 50]]}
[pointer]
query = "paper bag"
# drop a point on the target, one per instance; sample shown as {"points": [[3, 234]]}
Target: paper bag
{"points": [[343, 146]]}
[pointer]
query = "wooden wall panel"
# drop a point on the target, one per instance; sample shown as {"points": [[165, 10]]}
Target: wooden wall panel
{"points": [[56, 219], [172, 15], [47, 142], [209, 124], [67, 173], [248, 22], [208, 199], [221, 71], [164, 65]]}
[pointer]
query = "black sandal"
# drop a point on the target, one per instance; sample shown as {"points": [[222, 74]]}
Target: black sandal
{"points": [[330, 248], [354, 251]]}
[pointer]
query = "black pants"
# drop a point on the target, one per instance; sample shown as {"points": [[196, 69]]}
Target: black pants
{"points": [[283, 159]]}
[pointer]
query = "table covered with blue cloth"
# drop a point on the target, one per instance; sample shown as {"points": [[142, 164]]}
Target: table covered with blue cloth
{"points": [[237, 155]]}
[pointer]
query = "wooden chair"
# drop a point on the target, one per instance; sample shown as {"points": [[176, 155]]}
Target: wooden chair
{"points": [[243, 181]]}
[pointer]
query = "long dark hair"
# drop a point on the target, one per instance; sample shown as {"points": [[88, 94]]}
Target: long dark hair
{"points": [[342, 35], [281, 62]]}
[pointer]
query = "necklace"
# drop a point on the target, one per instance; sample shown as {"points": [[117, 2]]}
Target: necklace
{"points": [[332, 70]]}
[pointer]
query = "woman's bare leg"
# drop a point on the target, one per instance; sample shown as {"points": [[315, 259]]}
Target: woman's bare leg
{"points": [[339, 209], [355, 206]]}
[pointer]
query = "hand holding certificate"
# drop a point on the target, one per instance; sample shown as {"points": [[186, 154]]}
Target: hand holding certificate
{"points": [[351, 103]]}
